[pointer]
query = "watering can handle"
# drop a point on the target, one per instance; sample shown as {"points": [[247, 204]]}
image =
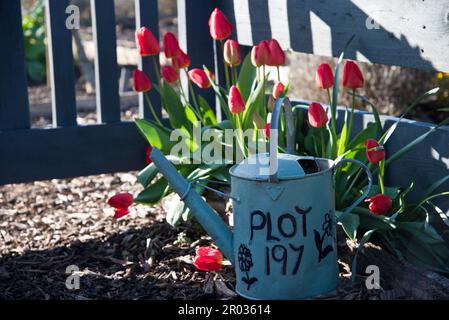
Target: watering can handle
{"points": [[367, 191], [274, 126]]}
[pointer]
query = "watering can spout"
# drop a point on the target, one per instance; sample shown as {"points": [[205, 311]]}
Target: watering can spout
{"points": [[210, 221]]}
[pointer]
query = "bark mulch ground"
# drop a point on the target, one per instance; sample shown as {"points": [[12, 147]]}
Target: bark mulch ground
{"points": [[47, 226]]}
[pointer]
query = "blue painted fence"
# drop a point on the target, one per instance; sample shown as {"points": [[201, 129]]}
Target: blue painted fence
{"points": [[69, 150]]}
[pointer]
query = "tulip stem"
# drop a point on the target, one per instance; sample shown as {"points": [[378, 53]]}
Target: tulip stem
{"points": [[194, 109], [351, 186], [380, 176], [147, 98], [279, 73], [225, 66], [264, 88], [156, 70], [192, 92], [323, 147], [348, 134]]}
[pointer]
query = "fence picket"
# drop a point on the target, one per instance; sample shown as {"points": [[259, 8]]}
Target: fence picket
{"points": [[106, 68], [61, 68], [14, 110]]}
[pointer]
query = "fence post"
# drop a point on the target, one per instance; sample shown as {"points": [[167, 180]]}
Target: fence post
{"points": [[14, 109]]}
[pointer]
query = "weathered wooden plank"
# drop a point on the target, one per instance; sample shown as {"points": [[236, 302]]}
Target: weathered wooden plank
{"points": [[194, 37], [147, 16], [106, 68], [60, 56], [14, 110], [410, 33], [40, 154]]}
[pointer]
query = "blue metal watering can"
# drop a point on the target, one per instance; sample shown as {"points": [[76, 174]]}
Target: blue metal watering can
{"points": [[283, 244]]}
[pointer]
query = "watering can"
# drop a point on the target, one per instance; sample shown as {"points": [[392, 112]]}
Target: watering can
{"points": [[283, 244]]}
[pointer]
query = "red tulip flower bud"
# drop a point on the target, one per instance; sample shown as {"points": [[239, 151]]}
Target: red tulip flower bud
{"points": [[199, 77], [121, 202], [219, 26], [171, 45], [324, 76], [277, 56], [208, 259], [379, 204], [266, 130], [235, 101], [374, 156], [232, 53], [260, 54], [169, 74], [148, 154], [317, 116], [352, 76], [278, 89], [141, 81], [181, 61], [147, 44]]}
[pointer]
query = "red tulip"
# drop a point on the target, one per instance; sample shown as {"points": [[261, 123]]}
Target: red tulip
{"points": [[199, 77], [121, 202], [181, 61], [260, 54], [266, 130], [352, 76], [208, 259], [169, 74], [232, 53], [324, 76], [374, 156], [379, 204], [235, 101], [171, 45], [147, 44], [317, 115], [277, 56], [141, 81], [219, 25], [278, 89], [148, 154]]}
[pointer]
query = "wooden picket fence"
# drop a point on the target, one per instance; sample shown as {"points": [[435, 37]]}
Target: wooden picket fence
{"points": [[411, 33]]}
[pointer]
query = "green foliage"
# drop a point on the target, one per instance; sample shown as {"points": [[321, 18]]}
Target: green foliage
{"points": [[34, 36]]}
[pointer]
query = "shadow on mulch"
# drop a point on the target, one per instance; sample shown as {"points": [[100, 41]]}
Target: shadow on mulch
{"points": [[137, 264]]}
